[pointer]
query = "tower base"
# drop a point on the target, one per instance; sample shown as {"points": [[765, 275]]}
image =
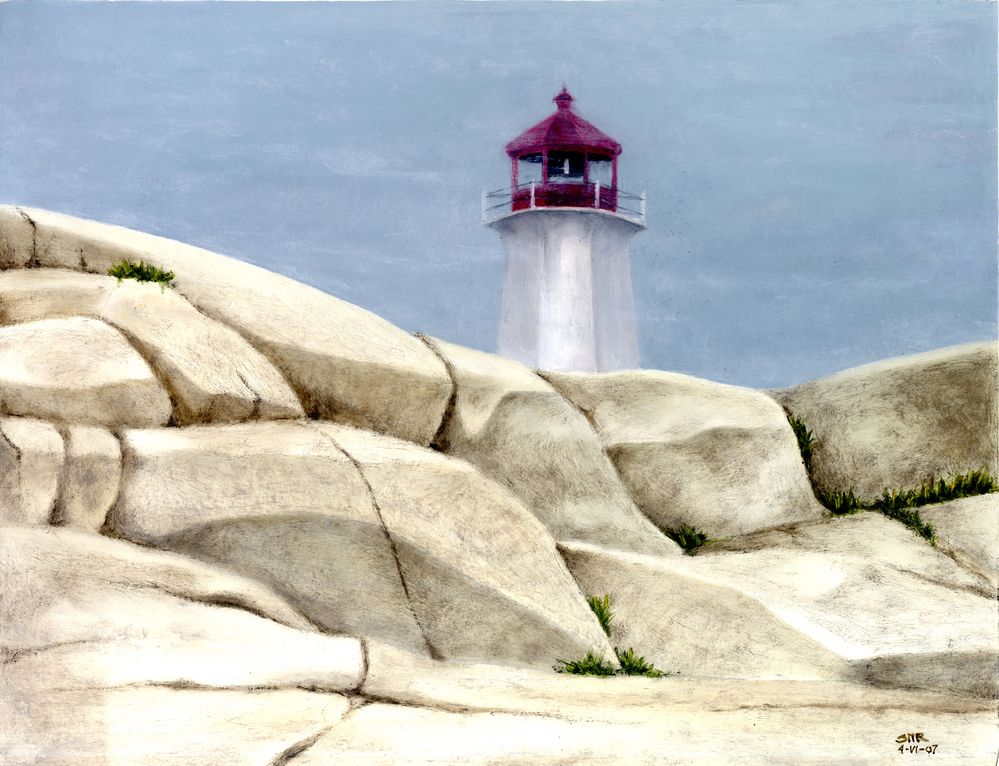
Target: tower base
{"points": [[567, 296]]}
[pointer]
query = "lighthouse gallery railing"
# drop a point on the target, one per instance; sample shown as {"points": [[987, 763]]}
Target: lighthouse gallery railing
{"points": [[526, 196]]}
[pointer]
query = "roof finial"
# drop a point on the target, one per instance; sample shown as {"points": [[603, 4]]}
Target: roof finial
{"points": [[563, 99]]}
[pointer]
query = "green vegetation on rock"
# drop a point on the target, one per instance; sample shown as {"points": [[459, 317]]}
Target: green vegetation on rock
{"points": [[900, 504], [590, 665], [602, 609], [896, 504], [806, 440], [634, 665], [142, 272], [688, 538], [631, 664]]}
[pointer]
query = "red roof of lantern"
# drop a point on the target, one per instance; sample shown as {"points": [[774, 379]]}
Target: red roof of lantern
{"points": [[563, 130]]}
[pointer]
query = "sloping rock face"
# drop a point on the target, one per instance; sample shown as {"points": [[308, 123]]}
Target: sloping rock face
{"points": [[866, 611], [519, 431], [279, 502], [131, 616], [673, 618], [716, 457], [483, 574], [79, 371], [115, 654], [968, 529], [874, 537], [365, 534], [894, 424], [346, 363]]}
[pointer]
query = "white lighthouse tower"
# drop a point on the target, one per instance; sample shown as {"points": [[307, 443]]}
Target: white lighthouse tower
{"points": [[567, 297]]}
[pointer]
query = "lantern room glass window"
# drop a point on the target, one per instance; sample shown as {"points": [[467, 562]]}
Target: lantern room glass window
{"points": [[601, 170], [565, 167], [529, 169]]}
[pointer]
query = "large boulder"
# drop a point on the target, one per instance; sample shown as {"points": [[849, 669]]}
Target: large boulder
{"points": [[277, 501], [719, 458], [483, 574], [346, 363], [212, 372], [130, 616], [894, 424], [685, 625], [31, 462], [968, 530], [78, 370], [522, 433]]}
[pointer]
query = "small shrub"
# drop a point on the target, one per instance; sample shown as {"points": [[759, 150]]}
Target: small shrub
{"points": [[688, 538], [806, 441], [634, 665], [840, 503], [142, 272], [590, 665], [602, 609]]}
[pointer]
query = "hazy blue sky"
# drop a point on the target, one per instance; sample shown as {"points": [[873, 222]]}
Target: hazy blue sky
{"points": [[821, 176]]}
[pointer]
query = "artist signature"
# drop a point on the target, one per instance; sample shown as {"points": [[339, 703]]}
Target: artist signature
{"points": [[915, 742]]}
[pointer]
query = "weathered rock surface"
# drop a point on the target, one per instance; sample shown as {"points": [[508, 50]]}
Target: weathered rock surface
{"points": [[394, 675], [482, 572], [522, 433], [213, 374], [78, 371], [719, 458], [279, 502], [16, 238], [131, 616], [90, 479], [894, 424], [393, 734], [968, 529], [346, 363], [31, 460], [156, 726], [28, 295], [867, 535], [862, 610], [673, 620]]}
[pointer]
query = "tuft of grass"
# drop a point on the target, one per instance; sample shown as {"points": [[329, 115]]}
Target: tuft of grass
{"points": [[602, 609], [900, 504], [806, 440], [687, 537], [631, 664], [634, 665], [590, 665], [910, 517], [937, 491], [142, 272], [840, 503]]}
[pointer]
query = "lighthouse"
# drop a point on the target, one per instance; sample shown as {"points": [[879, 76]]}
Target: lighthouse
{"points": [[566, 226]]}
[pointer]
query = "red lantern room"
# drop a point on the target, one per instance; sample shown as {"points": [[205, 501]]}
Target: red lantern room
{"points": [[564, 161]]}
